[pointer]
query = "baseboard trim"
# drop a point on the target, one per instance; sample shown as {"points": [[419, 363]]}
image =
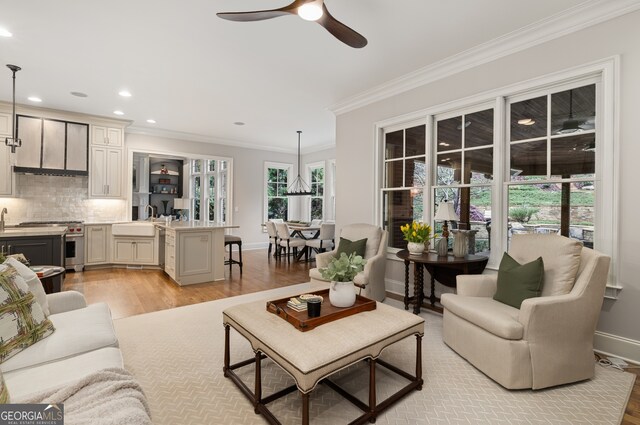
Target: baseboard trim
{"points": [[614, 345]]}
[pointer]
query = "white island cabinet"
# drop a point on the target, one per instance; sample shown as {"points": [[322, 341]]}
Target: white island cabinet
{"points": [[194, 253]]}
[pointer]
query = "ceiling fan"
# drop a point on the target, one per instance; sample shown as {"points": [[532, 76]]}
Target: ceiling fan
{"points": [[310, 10]]}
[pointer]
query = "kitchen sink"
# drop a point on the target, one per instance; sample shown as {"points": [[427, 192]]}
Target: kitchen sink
{"points": [[137, 228]]}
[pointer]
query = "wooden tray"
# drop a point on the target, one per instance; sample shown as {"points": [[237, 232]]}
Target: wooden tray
{"points": [[328, 313]]}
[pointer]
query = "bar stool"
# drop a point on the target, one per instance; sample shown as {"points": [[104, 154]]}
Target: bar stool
{"points": [[231, 240]]}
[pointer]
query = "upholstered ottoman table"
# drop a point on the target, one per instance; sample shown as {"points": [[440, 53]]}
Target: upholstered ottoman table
{"points": [[311, 357]]}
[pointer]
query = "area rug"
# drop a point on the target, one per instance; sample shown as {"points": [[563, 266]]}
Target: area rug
{"points": [[177, 356]]}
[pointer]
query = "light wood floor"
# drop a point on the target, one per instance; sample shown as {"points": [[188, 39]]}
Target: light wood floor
{"points": [[131, 292]]}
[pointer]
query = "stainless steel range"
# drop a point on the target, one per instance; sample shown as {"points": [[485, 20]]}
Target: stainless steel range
{"points": [[74, 245]]}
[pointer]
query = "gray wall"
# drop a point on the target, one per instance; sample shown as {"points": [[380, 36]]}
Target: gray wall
{"points": [[355, 139], [248, 176]]}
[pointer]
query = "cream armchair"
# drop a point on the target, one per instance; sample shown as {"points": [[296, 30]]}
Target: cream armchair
{"points": [[549, 340], [371, 279]]}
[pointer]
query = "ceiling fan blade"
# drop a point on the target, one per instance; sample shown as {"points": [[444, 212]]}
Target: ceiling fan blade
{"points": [[341, 31], [261, 15]]}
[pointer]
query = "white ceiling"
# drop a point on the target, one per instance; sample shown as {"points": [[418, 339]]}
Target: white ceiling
{"points": [[197, 74]]}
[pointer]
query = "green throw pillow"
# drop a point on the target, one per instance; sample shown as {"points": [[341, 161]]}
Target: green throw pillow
{"points": [[349, 247], [517, 282]]}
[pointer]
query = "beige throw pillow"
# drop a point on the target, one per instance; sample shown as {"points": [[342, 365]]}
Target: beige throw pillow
{"points": [[35, 285], [22, 321]]}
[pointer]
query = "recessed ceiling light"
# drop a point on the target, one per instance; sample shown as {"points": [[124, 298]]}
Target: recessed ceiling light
{"points": [[5, 33], [150, 121], [238, 123], [79, 94], [118, 112], [124, 93], [34, 99]]}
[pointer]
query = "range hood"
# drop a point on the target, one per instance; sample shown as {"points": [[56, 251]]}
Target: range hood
{"points": [[52, 147]]}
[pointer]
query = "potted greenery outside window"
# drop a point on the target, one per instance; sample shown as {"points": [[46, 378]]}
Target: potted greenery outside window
{"points": [[341, 271]]}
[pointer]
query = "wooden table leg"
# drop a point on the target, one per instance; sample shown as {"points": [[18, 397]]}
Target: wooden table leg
{"points": [[432, 297], [305, 408], [372, 389], [418, 290], [258, 383], [419, 361], [406, 284]]}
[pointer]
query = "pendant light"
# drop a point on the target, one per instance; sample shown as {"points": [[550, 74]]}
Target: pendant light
{"points": [[298, 187], [13, 142], [570, 125]]}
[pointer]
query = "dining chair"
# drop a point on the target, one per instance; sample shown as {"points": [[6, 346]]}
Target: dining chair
{"points": [[287, 242], [273, 238], [325, 240]]}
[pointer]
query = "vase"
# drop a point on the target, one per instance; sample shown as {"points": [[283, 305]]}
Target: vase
{"points": [[342, 294], [415, 248], [426, 247], [442, 247], [460, 243]]}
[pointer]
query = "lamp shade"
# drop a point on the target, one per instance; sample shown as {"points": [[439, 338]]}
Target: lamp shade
{"points": [[181, 203], [446, 212]]}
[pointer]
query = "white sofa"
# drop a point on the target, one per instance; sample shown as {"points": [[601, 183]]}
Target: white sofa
{"points": [[84, 342]]}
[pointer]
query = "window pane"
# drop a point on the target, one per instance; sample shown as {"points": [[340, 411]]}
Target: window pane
{"points": [[282, 189], [282, 175], [393, 174], [212, 209], [393, 144], [449, 168], [573, 110], [479, 132], [529, 159], [317, 175], [316, 208], [223, 165], [197, 165], [212, 197], [449, 134], [399, 208], [540, 209], [415, 172], [212, 165], [573, 155], [197, 195], [529, 118], [415, 140], [277, 208], [473, 207], [478, 165]]}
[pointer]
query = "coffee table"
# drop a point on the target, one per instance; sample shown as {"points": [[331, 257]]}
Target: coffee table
{"points": [[311, 357]]}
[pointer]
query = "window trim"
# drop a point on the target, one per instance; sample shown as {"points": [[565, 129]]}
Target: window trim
{"points": [[607, 70]]}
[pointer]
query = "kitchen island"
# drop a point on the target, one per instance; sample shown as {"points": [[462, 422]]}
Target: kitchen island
{"points": [[194, 252]]}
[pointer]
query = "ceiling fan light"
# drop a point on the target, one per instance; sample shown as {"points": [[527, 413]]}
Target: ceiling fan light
{"points": [[311, 11], [526, 121]]}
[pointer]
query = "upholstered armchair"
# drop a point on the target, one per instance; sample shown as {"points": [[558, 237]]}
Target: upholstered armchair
{"points": [[371, 279], [549, 340]]}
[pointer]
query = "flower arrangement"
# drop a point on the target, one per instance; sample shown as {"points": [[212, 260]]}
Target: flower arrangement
{"points": [[343, 268], [416, 232]]}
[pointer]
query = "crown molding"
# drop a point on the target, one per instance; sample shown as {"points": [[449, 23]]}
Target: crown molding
{"points": [[571, 20]]}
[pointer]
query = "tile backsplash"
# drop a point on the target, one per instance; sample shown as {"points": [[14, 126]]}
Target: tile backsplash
{"points": [[41, 198]]}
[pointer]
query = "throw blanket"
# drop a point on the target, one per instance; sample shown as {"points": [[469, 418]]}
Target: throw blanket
{"points": [[107, 397]]}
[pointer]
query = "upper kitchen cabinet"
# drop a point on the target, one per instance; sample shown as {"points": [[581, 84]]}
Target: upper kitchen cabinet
{"points": [[6, 176], [51, 146], [105, 178], [107, 136]]}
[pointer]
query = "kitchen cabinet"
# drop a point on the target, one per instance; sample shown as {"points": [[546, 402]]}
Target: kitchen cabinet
{"points": [[39, 250], [6, 174], [127, 250], [170, 253], [105, 178], [97, 244], [107, 136]]}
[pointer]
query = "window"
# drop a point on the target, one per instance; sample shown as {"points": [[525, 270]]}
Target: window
{"points": [[464, 173], [552, 163], [276, 183], [316, 184], [548, 164], [210, 188], [404, 178]]}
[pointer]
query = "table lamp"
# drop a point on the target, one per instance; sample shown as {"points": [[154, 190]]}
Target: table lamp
{"points": [[182, 204], [446, 213]]}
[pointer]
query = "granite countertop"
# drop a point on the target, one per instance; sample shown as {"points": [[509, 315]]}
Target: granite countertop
{"points": [[193, 226], [12, 232]]}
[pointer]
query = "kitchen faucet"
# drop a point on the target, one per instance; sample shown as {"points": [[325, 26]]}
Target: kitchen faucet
{"points": [[4, 211], [151, 216]]}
